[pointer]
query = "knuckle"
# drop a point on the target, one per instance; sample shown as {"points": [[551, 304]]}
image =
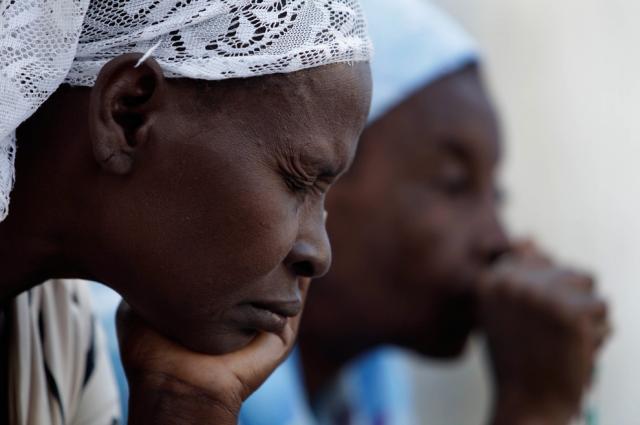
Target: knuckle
{"points": [[585, 281], [601, 308]]}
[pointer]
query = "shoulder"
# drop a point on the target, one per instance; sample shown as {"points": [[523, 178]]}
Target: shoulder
{"points": [[58, 351]]}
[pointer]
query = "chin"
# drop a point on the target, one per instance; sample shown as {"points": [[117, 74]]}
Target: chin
{"points": [[442, 349], [447, 333], [442, 339], [216, 343]]}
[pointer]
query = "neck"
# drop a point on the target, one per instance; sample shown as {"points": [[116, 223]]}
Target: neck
{"points": [[32, 247], [328, 342], [323, 360], [23, 263], [34, 238], [319, 369]]}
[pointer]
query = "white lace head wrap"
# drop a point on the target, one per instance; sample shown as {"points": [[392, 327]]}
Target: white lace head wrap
{"points": [[44, 43]]}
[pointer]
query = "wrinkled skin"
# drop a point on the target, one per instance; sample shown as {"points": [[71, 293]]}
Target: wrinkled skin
{"points": [[198, 202]]}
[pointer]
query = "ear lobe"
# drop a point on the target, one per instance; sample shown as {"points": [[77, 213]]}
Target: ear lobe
{"points": [[123, 103]]}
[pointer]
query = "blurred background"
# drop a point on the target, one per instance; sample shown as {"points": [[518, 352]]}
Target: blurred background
{"points": [[565, 76]]}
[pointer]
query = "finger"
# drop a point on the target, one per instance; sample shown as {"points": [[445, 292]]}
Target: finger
{"points": [[599, 311], [558, 279], [578, 280], [581, 304], [592, 313], [528, 251], [522, 245], [254, 363], [603, 332]]}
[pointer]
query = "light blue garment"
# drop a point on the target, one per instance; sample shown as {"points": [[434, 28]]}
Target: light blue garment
{"points": [[376, 389], [105, 304], [415, 44]]}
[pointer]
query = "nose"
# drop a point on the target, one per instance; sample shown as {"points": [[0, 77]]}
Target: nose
{"points": [[310, 255], [492, 241]]}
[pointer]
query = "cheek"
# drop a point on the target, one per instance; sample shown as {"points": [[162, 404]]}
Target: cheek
{"points": [[209, 260], [259, 232], [435, 241], [208, 238], [240, 237]]}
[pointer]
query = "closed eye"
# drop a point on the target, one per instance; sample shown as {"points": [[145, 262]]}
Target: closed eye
{"points": [[297, 184]]}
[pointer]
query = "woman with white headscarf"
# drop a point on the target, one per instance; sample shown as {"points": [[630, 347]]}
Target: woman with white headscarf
{"points": [[190, 179]]}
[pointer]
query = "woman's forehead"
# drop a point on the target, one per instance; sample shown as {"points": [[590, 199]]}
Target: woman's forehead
{"points": [[314, 115], [325, 102]]}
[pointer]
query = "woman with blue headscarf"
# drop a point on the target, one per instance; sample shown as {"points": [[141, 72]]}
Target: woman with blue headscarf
{"points": [[421, 259]]}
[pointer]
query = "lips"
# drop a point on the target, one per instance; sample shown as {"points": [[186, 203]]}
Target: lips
{"points": [[267, 316], [284, 308]]}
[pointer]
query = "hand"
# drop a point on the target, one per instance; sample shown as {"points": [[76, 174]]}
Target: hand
{"points": [[172, 385], [544, 325]]}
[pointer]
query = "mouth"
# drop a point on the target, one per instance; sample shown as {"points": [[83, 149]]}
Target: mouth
{"points": [[269, 316]]}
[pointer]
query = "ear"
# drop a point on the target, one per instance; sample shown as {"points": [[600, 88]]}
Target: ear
{"points": [[123, 104]]}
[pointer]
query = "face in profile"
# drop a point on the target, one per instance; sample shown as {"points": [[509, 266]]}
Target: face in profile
{"points": [[222, 211], [413, 224]]}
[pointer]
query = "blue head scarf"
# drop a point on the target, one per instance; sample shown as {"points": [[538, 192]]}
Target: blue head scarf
{"points": [[415, 44]]}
